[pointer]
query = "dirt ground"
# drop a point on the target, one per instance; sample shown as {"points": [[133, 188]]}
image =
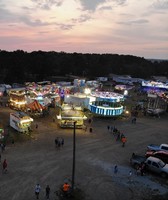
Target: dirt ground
{"points": [[38, 161]]}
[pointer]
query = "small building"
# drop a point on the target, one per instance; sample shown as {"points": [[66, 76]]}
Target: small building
{"points": [[17, 99], [79, 99], [79, 82], [155, 101], [101, 103], [163, 79], [125, 79], [102, 79], [107, 104], [4, 87], [154, 85]]}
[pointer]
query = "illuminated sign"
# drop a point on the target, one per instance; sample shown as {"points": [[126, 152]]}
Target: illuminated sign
{"points": [[154, 84]]}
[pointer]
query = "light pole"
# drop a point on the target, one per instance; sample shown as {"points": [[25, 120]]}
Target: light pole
{"points": [[74, 151]]}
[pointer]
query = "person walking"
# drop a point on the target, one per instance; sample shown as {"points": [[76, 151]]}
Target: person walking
{"points": [[66, 189], [130, 176], [123, 140], [4, 165], [2, 147], [134, 120], [47, 192], [59, 144], [115, 169], [111, 129], [62, 142], [118, 136], [85, 128], [56, 142], [13, 141], [142, 168], [37, 190]]}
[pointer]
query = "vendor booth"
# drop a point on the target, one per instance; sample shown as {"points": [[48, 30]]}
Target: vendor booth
{"points": [[70, 114], [17, 99], [35, 107], [107, 104]]}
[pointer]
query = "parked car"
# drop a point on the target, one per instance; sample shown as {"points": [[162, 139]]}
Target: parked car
{"points": [[155, 112], [162, 155], [153, 147], [151, 164], [156, 165]]}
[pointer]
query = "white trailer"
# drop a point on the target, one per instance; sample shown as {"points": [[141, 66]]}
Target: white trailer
{"points": [[20, 121]]}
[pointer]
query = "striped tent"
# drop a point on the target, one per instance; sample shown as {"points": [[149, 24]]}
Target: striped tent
{"points": [[35, 106]]}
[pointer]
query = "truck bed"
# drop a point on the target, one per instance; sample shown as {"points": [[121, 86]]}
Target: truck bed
{"points": [[153, 147], [137, 160]]}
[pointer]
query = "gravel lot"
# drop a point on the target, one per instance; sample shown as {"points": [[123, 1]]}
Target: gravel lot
{"points": [[38, 161]]}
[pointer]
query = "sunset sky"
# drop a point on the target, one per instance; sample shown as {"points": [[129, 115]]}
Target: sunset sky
{"points": [[135, 27]]}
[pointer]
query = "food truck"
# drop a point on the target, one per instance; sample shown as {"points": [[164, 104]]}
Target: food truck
{"points": [[20, 121], [70, 114]]}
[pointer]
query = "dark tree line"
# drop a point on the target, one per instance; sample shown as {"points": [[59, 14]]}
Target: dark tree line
{"points": [[19, 66]]}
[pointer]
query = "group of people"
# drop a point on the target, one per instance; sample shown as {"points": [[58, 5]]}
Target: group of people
{"points": [[141, 169], [59, 142], [117, 134], [38, 189], [65, 189]]}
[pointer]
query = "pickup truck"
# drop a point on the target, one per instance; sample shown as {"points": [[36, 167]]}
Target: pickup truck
{"points": [[153, 147], [162, 155], [151, 163], [136, 160]]}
